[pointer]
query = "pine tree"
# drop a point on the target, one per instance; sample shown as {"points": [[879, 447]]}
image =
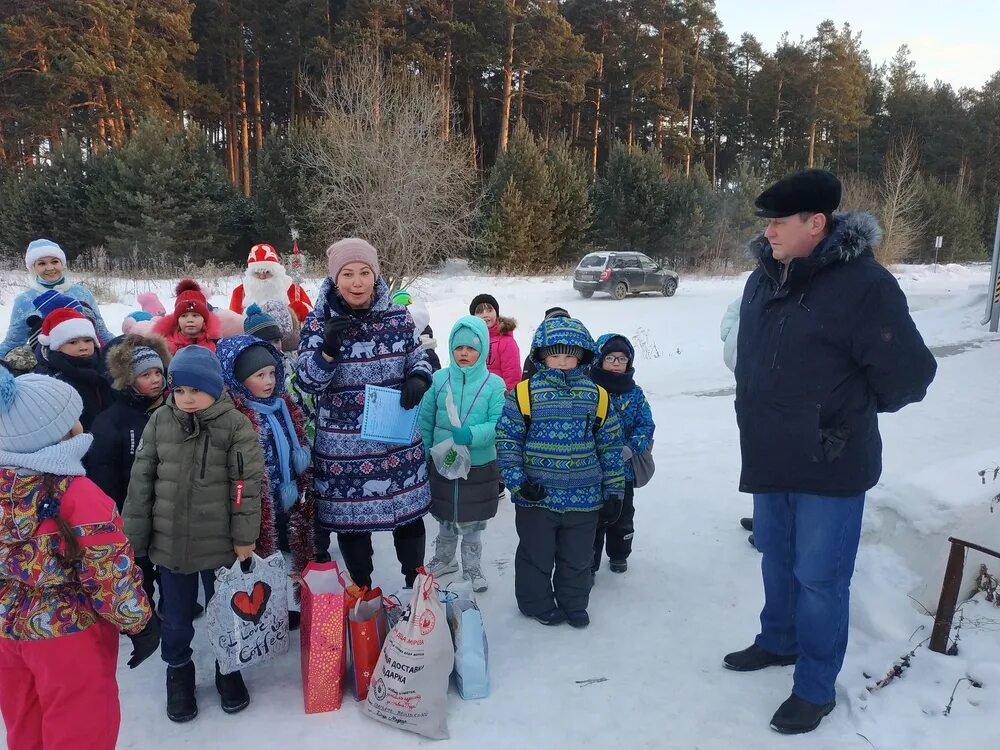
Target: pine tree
{"points": [[521, 174], [571, 211], [47, 200], [629, 200], [163, 194], [945, 213]]}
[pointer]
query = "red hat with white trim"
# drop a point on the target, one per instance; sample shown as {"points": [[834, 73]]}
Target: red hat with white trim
{"points": [[264, 257], [66, 324]]}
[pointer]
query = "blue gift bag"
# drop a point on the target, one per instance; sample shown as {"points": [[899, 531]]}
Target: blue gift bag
{"points": [[472, 655]]}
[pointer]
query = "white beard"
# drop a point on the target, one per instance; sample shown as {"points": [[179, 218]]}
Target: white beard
{"points": [[273, 288]]}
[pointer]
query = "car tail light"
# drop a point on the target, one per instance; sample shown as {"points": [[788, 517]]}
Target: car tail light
{"points": [[605, 274]]}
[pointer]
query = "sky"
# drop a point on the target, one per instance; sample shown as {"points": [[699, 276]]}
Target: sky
{"points": [[957, 42]]}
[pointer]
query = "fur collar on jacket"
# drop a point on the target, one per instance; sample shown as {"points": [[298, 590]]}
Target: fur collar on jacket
{"points": [[855, 235]]}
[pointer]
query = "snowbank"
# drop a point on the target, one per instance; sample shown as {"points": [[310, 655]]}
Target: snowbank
{"points": [[693, 588]]}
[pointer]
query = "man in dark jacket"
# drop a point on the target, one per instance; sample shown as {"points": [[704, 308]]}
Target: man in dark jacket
{"points": [[825, 343]]}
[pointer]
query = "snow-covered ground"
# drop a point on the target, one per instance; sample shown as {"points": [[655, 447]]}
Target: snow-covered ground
{"points": [[693, 591]]}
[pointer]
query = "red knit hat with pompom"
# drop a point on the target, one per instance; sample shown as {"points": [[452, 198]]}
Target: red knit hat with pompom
{"points": [[190, 298]]}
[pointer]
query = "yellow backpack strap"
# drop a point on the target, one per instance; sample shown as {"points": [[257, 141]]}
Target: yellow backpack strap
{"points": [[602, 407], [522, 391]]}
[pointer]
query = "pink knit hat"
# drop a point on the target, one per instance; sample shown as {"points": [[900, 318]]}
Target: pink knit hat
{"points": [[350, 250]]}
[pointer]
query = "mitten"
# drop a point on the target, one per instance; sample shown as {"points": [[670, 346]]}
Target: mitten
{"points": [[611, 510], [533, 493], [145, 643], [333, 335], [414, 388]]}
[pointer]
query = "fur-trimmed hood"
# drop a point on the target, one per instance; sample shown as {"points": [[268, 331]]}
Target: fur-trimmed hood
{"points": [[855, 235], [119, 358], [505, 325]]}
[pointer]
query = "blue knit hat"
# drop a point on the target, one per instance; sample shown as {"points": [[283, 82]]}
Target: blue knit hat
{"points": [[258, 323], [465, 336], [51, 300], [36, 411], [196, 367]]}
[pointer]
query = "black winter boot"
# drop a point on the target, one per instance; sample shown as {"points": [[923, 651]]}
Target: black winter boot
{"points": [[233, 691], [798, 716], [181, 703], [747, 523], [754, 657]]}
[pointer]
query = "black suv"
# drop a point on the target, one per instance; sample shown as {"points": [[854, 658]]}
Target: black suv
{"points": [[622, 273]]}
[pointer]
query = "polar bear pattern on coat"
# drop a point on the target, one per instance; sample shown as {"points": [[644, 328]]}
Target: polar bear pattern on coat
{"points": [[360, 483], [375, 487], [362, 349]]}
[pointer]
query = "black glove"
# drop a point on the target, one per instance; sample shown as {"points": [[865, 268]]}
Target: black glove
{"points": [[145, 642], [333, 335], [533, 493], [611, 510], [414, 388]]}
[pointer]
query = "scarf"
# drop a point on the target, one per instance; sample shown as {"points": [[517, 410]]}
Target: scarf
{"points": [[289, 460], [613, 382], [51, 284], [65, 458]]}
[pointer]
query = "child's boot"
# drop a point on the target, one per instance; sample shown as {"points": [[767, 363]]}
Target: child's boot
{"points": [[472, 554], [444, 561], [181, 703], [233, 691]]}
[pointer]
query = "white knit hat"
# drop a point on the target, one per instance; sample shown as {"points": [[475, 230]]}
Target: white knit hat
{"points": [[66, 324], [42, 248], [36, 411]]}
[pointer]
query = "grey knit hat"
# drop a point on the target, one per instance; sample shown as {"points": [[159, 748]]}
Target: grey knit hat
{"points": [[144, 358], [36, 411], [254, 357]]}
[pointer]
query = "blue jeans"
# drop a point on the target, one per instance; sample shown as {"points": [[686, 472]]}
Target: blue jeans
{"points": [[179, 593], [808, 545]]}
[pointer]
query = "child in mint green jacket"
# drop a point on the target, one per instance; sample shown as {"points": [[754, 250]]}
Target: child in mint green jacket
{"points": [[463, 506]]}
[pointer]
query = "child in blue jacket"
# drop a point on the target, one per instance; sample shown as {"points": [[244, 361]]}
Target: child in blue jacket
{"points": [[563, 464], [615, 372]]}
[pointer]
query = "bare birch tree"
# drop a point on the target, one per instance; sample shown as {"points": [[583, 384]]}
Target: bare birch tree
{"points": [[894, 199], [900, 197], [381, 169]]}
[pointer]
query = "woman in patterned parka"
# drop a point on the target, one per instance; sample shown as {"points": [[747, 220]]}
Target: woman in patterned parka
{"points": [[356, 336]]}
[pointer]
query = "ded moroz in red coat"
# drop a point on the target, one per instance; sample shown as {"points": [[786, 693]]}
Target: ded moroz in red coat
{"points": [[279, 286]]}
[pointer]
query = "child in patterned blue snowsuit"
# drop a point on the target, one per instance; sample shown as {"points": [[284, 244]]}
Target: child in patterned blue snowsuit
{"points": [[614, 371]]}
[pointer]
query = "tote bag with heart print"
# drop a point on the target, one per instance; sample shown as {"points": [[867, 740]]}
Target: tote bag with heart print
{"points": [[248, 615]]}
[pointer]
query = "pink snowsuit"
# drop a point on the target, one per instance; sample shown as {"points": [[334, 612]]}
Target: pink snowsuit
{"points": [[60, 621]]}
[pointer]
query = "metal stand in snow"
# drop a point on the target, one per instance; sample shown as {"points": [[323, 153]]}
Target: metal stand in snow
{"points": [[993, 297], [950, 590]]}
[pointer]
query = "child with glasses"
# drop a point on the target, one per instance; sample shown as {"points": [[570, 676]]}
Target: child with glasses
{"points": [[614, 371]]}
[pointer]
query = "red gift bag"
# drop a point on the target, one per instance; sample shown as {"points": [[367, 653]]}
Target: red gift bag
{"points": [[324, 637], [368, 627]]}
